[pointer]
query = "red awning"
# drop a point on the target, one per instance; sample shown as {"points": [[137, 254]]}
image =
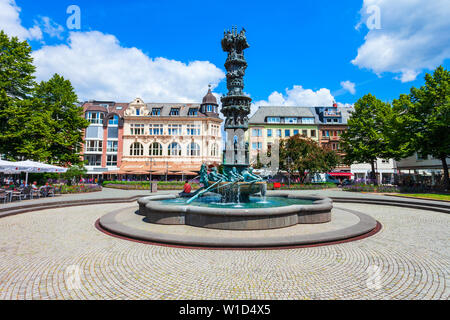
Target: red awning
{"points": [[341, 174]]}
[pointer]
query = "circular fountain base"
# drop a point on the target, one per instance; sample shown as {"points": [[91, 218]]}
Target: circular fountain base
{"points": [[347, 225], [297, 210]]}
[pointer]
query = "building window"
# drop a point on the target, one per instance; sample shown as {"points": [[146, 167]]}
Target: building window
{"points": [[273, 119], [279, 133], [295, 132], [214, 150], [257, 146], [215, 130], [94, 132], [137, 149], [113, 132], [93, 160], [174, 112], [313, 133], [193, 130], [138, 112], [174, 149], [95, 117], [256, 132], [269, 133], [94, 146], [287, 133], [193, 149], [156, 111], [209, 108], [290, 120], [305, 133], [308, 120], [174, 129], [155, 130], [111, 160], [137, 129], [112, 146], [156, 149], [193, 112], [114, 121]]}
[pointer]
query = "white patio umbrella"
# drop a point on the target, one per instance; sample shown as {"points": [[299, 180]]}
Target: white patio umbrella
{"points": [[37, 167]]}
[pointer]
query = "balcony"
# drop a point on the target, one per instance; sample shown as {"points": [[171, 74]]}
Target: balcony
{"points": [[332, 114]]}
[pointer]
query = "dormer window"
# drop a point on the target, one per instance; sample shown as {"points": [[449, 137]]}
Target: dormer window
{"points": [[193, 112], [156, 111], [174, 112], [290, 120], [138, 112], [273, 120]]}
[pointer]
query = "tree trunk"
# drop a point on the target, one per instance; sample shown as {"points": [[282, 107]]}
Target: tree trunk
{"points": [[446, 178], [374, 177]]}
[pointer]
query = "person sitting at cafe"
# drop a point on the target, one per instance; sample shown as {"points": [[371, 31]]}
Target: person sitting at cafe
{"points": [[34, 185], [186, 190], [11, 186]]}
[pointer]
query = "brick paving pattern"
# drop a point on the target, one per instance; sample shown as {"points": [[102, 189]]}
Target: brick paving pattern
{"points": [[44, 253]]}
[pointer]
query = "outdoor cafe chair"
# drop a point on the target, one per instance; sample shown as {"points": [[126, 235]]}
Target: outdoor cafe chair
{"points": [[50, 192], [43, 191], [35, 193], [18, 195], [27, 191], [4, 196]]}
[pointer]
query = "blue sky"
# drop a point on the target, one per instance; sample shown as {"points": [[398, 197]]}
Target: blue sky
{"points": [[298, 46]]}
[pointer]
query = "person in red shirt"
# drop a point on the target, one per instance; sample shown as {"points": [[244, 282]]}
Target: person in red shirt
{"points": [[186, 190]]}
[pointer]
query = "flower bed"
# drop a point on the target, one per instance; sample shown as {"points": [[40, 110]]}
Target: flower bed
{"points": [[79, 188], [298, 186], [145, 185], [372, 188]]}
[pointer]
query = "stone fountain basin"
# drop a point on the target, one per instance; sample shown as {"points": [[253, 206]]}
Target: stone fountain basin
{"points": [[244, 187], [236, 219]]}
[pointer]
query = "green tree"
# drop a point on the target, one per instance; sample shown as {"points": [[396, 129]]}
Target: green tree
{"points": [[67, 123], [423, 121], [26, 133], [369, 133], [16, 67], [305, 156]]}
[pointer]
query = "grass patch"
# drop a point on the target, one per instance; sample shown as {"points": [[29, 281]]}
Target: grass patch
{"points": [[433, 196]]}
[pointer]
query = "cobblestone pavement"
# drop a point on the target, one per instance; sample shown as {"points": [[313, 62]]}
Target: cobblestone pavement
{"points": [[58, 254]]}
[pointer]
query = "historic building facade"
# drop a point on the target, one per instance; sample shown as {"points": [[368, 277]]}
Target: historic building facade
{"points": [[102, 149], [274, 123], [321, 124], [162, 139]]}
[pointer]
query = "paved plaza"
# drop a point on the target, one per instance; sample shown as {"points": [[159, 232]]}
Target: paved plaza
{"points": [[59, 254]]}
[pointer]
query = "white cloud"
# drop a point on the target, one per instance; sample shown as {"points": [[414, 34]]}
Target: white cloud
{"points": [[348, 86], [10, 22], [414, 35], [100, 68], [297, 96], [52, 28]]}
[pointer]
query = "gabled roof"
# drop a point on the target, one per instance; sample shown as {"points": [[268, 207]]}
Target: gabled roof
{"points": [[274, 111]]}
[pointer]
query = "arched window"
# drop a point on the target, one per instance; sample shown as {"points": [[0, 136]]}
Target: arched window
{"points": [[156, 149], [114, 121], [214, 150], [174, 149], [193, 150], [137, 149]]}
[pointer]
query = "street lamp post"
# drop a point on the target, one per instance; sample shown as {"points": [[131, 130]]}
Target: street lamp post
{"points": [[150, 164], [288, 162]]}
